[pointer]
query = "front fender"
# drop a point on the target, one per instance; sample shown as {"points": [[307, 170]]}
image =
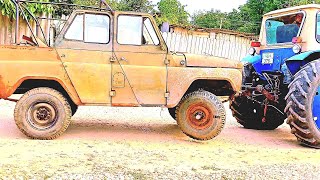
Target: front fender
{"points": [[180, 79], [251, 59]]}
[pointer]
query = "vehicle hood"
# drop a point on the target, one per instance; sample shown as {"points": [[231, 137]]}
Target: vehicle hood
{"points": [[193, 60]]}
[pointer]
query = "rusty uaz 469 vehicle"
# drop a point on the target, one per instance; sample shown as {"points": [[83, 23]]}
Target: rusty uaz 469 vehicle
{"points": [[117, 59]]}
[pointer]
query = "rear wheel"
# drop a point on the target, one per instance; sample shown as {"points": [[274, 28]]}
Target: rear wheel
{"points": [[250, 114], [201, 115], [303, 105], [42, 113]]}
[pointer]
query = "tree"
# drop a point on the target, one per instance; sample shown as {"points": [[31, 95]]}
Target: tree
{"points": [[135, 5], [210, 19], [172, 11]]}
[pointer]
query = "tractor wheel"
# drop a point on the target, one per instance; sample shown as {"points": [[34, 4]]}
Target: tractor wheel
{"points": [[303, 105], [201, 115], [42, 113], [172, 112], [250, 114]]}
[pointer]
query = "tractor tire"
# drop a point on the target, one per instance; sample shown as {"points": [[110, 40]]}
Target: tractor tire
{"points": [[303, 105], [172, 112], [201, 115], [250, 114], [42, 113]]}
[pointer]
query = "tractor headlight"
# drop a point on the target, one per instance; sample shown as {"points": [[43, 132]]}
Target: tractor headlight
{"points": [[252, 51], [296, 48]]}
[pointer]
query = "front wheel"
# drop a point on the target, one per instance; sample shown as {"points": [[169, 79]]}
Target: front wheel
{"points": [[250, 114], [42, 113], [303, 105], [201, 115]]}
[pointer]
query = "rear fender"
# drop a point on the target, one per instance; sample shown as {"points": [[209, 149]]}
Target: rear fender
{"points": [[295, 63]]}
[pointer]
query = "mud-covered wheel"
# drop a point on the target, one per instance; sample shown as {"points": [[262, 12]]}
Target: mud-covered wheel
{"points": [[42, 113], [172, 112], [250, 114], [201, 115], [303, 105]]}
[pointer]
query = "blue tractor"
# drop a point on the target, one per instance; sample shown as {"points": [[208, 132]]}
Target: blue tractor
{"points": [[282, 75]]}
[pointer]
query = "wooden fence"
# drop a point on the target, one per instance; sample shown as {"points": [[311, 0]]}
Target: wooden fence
{"points": [[220, 45], [7, 29]]}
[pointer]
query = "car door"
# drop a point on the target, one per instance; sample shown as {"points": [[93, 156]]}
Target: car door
{"points": [[139, 70], [85, 49]]}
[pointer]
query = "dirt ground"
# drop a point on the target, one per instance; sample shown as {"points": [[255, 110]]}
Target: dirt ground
{"points": [[145, 143]]}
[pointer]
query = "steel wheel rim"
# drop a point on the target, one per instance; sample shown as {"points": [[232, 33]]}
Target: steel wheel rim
{"points": [[200, 116], [42, 116]]}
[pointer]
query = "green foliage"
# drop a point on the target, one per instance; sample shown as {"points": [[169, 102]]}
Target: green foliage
{"points": [[246, 18], [172, 11], [8, 9], [135, 5]]}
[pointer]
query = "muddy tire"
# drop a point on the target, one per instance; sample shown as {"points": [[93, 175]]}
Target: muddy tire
{"points": [[172, 112], [303, 105], [201, 115], [250, 114], [42, 113]]}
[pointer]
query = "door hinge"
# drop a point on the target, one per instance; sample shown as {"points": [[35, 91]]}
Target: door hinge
{"points": [[112, 59], [167, 95], [112, 93]]}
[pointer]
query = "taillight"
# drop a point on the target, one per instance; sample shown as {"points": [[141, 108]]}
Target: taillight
{"points": [[255, 44]]}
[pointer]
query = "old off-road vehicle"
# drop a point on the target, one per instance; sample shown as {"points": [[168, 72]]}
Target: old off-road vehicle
{"points": [[117, 59], [282, 75]]}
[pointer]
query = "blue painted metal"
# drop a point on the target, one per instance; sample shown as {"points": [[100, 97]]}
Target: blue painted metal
{"points": [[295, 66], [316, 108], [302, 56], [280, 55]]}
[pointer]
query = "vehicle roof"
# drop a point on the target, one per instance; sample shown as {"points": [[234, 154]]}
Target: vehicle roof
{"points": [[118, 12], [308, 6]]}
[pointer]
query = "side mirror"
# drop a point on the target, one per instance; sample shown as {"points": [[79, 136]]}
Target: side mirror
{"points": [[165, 27]]}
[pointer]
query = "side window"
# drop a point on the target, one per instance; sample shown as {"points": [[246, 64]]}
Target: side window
{"points": [[90, 28], [130, 30], [97, 28], [136, 30], [318, 28], [75, 31]]}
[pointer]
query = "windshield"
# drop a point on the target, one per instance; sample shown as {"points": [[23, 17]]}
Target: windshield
{"points": [[284, 28], [318, 27]]}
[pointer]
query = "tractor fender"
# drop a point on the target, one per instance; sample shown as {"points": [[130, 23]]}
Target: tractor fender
{"points": [[295, 63], [251, 59]]}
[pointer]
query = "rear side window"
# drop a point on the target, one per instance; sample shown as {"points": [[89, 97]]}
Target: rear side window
{"points": [[90, 28]]}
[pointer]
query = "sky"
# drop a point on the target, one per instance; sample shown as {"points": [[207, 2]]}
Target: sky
{"points": [[223, 5]]}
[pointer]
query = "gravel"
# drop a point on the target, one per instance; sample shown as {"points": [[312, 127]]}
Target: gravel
{"points": [[145, 143]]}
